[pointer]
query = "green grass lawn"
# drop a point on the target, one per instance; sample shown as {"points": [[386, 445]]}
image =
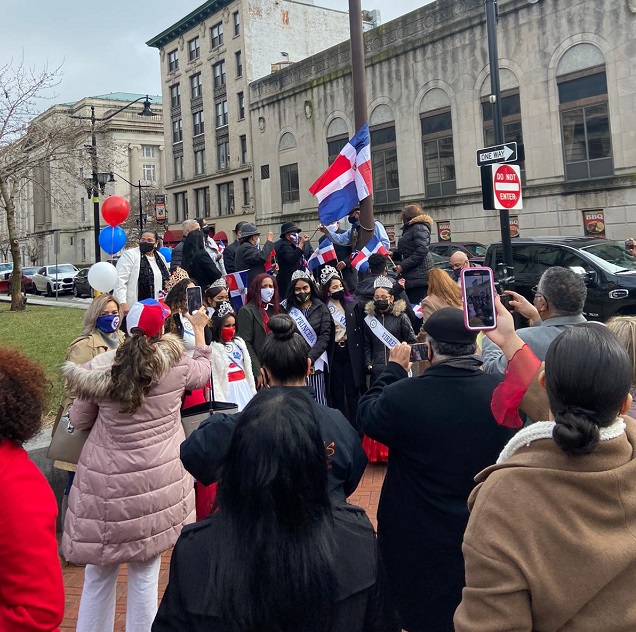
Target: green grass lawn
{"points": [[42, 333]]}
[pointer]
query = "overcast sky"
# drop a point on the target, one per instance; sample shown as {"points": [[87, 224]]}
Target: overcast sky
{"points": [[101, 45]]}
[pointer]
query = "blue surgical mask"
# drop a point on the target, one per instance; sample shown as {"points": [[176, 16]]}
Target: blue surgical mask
{"points": [[108, 324]]}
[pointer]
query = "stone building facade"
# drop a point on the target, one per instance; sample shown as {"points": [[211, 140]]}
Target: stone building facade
{"points": [[208, 60], [568, 94]]}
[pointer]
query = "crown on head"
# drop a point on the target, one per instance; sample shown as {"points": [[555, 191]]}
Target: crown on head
{"points": [[300, 274], [384, 282], [328, 273], [224, 308], [219, 283]]}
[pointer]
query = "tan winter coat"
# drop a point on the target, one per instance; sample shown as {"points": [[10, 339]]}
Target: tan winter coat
{"points": [[131, 495]]}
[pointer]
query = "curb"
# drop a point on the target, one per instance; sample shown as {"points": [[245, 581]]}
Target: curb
{"points": [[34, 300]]}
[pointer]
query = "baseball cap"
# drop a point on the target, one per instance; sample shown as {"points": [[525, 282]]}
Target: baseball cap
{"points": [[148, 315]]}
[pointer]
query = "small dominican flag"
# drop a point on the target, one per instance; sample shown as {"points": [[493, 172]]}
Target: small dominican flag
{"points": [[347, 181], [271, 259], [237, 286], [220, 246], [417, 310], [324, 253], [359, 259]]}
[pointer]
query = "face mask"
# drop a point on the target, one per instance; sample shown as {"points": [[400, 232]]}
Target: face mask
{"points": [[146, 248], [267, 294], [455, 274], [108, 324], [338, 295], [302, 297], [295, 238], [333, 227], [227, 333], [381, 306], [353, 219], [258, 242]]}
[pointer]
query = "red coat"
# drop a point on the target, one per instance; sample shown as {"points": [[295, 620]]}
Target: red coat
{"points": [[31, 584]]}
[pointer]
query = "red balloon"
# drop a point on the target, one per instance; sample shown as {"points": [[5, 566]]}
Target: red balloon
{"points": [[115, 210]]}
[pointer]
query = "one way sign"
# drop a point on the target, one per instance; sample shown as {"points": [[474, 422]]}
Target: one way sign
{"points": [[497, 154]]}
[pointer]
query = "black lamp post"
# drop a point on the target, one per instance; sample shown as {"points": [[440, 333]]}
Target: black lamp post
{"points": [[96, 182], [139, 187]]}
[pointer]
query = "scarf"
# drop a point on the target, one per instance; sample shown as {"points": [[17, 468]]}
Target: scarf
{"points": [[146, 282], [468, 363]]}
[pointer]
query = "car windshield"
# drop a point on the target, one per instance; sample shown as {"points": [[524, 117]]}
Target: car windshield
{"points": [[612, 256], [477, 250], [28, 271], [6, 266], [63, 269]]}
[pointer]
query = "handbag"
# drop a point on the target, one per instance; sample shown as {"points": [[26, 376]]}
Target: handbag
{"points": [[67, 442]]}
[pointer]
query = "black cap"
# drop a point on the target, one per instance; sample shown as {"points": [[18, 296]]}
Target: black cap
{"points": [[249, 230], [447, 325], [289, 227], [238, 226]]}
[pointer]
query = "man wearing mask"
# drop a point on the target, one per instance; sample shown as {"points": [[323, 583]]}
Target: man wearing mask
{"points": [[249, 256], [212, 249], [350, 237], [289, 253], [458, 261], [229, 254], [348, 272]]}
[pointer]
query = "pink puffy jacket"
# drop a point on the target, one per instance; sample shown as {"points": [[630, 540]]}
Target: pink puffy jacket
{"points": [[131, 495]]}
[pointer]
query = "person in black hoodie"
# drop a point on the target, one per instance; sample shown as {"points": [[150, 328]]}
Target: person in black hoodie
{"points": [[197, 262], [289, 253]]}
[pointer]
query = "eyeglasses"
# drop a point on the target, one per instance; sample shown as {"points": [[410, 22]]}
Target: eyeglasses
{"points": [[535, 291]]}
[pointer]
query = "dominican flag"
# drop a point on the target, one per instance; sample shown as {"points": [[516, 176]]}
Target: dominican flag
{"points": [[220, 246], [417, 310], [347, 181], [359, 259], [271, 259], [323, 254], [237, 286]]}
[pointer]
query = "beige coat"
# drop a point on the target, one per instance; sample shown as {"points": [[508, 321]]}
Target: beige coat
{"points": [[131, 495], [551, 541]]}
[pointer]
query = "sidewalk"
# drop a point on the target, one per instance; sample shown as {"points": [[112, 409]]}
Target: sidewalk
{"points": [[366, 496], [63, 301]]}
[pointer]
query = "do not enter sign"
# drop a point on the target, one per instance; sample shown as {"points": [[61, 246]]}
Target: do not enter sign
{"points": [[506, 184]]}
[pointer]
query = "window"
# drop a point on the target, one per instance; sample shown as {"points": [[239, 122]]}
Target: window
{"points": [[199, 162], [180, 206], [173, 60], [223, 154], [194, 50], [587, 145], [334, 147], [239, 64], [196, 86], [178, 167], [264, 172], [384, 165], [177, 130], [82, 210], [71, 241], [175, 96], [83, 248], [150, 173], [202, 201], [221, 113], [149, 151], [437, 147], [226, 198], [246, 191], [241, 105], [197, 123], [218, 71], [216, 34], [237, 23], [289, 188], [243, 141]]}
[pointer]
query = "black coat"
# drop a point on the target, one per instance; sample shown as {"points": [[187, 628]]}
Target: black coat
{"points": [[289, 258], [188, 602], [355, 341], [229, 255], [252, 259], [412, 251], [177, 255], [250, 327], [440, 433], [320, 320], [203, 270], [203, 452]]}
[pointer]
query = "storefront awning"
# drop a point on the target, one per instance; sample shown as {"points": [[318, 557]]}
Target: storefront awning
{"points": [[172, 237]]}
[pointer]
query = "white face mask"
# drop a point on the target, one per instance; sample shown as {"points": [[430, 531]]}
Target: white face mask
{"points": [[267, 294], [258, 242]]}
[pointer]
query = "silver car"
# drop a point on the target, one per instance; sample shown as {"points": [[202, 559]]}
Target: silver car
{"points": [[51, 278]]}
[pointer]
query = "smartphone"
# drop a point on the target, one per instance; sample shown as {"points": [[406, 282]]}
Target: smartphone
{"points": [[419, 352], [195, 299], [478, 298]]}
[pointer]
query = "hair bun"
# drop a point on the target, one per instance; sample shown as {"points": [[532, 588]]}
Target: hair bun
{"points": [[575, 431], [282, 326]]}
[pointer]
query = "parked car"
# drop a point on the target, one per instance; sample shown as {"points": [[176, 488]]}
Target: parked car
{"points": [[472, 249], [5, 270], [27, 282], [610, 272], [51, 278], [81, 286]]}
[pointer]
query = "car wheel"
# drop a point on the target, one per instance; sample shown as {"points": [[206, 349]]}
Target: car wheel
{"points": [[76, 294], [49, 290], [35, 289]]}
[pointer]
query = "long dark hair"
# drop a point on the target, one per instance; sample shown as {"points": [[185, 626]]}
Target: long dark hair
{"points": [[193, 245], [177, 301], [272, 537], [291, 301], [324, 294], [588, 375], [284, 353], [217, 324], [254, 293]]}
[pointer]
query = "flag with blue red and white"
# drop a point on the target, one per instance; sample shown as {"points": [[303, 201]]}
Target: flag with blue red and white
{"points": [[237, 287], [359, 259], [323, 254]]}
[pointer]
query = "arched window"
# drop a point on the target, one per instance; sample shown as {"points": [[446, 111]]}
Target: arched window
{"points": [[337, 137], [584, 109], [289, 184], [384, 163]]}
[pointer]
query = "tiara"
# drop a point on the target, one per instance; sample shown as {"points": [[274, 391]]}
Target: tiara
{"points": [[384, 282], [219, 283], [224, 308], [300, 274], [328, 273]]}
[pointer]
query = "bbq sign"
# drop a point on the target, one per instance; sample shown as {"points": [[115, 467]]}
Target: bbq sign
{"points": [[594, 223], [444, 231]]}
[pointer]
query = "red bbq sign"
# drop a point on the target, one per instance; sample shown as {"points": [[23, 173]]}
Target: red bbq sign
{"points": [[506, 183]]}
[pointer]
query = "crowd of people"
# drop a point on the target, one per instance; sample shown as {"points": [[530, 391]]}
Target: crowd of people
{"points": [[509, 498]]}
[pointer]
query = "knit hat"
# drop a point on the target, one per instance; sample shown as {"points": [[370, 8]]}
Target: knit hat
{"points": [[447, 325], [148, 316]]}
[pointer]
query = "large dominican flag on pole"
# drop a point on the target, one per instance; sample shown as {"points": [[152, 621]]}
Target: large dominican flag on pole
{"points": [[359, 259], [237, 286], [324, 253], [347, 181]]}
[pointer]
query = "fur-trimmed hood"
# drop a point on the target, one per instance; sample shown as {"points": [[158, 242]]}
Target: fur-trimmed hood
{"points": [[94, 383], [399, 308], [421, 219]]}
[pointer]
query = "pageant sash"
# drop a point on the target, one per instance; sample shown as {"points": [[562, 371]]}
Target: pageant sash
{"points": [[308, 333], [380, 332], [337, 315]]}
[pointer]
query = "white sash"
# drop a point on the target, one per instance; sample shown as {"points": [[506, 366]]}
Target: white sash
{"points": [[337, 315], [310, 336], [380, 332]]}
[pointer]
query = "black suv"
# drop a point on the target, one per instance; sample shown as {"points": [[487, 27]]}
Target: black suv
{"points": [[610, 272]]}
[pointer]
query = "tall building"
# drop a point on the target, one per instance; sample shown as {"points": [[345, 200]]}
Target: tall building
{"points": [[208, 60], [568, 94]]}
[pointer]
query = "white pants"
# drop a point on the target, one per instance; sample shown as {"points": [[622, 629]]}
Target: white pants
{"points": [[97, 605]]}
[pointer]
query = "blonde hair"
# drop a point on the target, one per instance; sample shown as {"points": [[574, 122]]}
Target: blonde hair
{"points": [[624, 327], [95, 310], [440, 284]]}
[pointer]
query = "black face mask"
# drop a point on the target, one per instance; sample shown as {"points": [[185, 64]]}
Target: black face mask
{"points": [[353, 219], [381, 306], [338, 295], [302, 297], [455, 274], [146, 248]]}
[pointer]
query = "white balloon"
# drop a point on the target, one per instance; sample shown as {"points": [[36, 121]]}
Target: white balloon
{"points": [[102, 276]]}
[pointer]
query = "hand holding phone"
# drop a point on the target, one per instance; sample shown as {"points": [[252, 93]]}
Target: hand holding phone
{"points": [[195, 299], [419, 352], [478, 299]]}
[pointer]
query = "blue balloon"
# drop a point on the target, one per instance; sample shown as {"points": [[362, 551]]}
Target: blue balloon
{"points": [[167, 253], [112, 239]]}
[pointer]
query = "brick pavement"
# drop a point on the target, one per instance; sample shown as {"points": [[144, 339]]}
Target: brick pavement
{"points": [[367, 496]]}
